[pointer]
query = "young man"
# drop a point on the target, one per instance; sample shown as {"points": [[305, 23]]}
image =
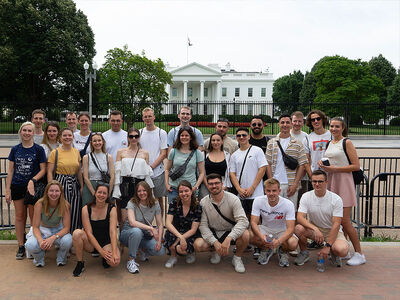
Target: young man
{"points": [[257, 138], [38, 119], [324, 210], [288, 178], [184, 115], [116, 138], [217, 233], [247, 168], [222, 127], [154, 140], [278, 219], [72, 121]]}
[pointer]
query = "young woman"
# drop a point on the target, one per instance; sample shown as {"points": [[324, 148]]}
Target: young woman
{"points": [[81, 137], [184, 147], [64, 165], [100, 221], [51, 224], [94, 164], [340, 181], [51, 138], [27, 165], [183, 221], [131, 167], [138, 231], [216, 161]]}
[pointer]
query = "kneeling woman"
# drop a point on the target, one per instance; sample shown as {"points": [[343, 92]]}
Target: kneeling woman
{"points": [[138, 231], [51, 223], [99, 220], [183, 221]]}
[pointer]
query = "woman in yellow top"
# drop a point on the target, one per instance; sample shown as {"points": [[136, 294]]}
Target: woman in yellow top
{"points": [[65, 162]]}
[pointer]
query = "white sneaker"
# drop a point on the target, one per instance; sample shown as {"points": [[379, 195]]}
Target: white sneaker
{"points": [[28, 254], [171, 262], [143, 256], [190, 258], [38, 264], [132, 266], [348, 256], [238, 264], [357, 259], [215, 258]]}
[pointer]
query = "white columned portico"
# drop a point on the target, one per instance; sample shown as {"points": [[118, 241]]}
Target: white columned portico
{"points": [[218, 100], [185, 82], [218, 91], [202, 91]]}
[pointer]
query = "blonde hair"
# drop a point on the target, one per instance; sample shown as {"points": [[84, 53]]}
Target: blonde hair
{"points": [[147, 109], [62, 203], [272, 181], [27, 123]]}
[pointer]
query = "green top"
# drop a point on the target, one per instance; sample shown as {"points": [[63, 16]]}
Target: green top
{"points": [[53, 219]]}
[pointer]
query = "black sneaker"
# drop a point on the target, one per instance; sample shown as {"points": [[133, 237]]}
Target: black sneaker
{"points": [[105, 264], [256, 253], [20, 253], [314, 245], [80, 267], [95, 253]]}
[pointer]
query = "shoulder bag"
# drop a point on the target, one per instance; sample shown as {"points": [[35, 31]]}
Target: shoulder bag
{"points": [[178, 172], [105, 177], [288, 160], [358, 176]]}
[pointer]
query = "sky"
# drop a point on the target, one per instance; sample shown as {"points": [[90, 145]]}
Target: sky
{"points": [[281, 36]]}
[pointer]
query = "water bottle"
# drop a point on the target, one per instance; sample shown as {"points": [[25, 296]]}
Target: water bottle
{"points": [[321, 265], [269, 238]]}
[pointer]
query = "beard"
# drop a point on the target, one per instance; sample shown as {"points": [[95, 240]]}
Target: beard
{"points": [[256, 130]]}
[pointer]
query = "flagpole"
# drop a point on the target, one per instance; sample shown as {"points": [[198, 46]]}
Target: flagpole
{"points": [[187, 50]]}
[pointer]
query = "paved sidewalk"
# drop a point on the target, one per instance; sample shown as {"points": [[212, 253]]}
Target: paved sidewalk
{"points": [[378, 279]]}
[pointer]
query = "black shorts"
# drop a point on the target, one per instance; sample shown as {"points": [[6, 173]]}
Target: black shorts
{"points": [[130, 186], [247, 205], [18, 191]]}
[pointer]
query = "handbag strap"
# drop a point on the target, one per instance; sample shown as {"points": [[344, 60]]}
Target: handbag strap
{"points": [[344, 149], [280, 147], [188, 159], [244, 162], [134, 160], [94, 160], [87, 142], [148, 223], [55, 165], [220, 213]]}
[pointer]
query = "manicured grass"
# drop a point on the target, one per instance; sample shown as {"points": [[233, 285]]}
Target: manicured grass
{"points": [[7, 235], [381, 238]]}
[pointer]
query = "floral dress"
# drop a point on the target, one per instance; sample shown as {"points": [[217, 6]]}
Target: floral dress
{"points": [[182, 224]]}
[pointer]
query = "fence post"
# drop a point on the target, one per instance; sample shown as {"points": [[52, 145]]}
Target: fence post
{"points": [[273, 113], [384, 117], [234, 115]]}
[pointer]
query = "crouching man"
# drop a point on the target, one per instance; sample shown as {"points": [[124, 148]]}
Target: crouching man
{"points": [[223, 220], [277, 227], [325, 211]]}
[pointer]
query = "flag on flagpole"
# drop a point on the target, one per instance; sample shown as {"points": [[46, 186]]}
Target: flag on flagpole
{"points": [[189, 43]]}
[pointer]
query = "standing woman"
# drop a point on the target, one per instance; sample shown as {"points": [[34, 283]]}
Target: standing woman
{"points": [[100, 221], [184, 152], [27, 165], [64, 165], [96, 163], [216, 161], [81, 138], [51, 224], [51, 137], [131, 167], [340, 181], [183, 222], [138, 231]]}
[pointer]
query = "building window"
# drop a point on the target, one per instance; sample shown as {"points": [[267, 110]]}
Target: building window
{"points": [[237, 108], [223, 92], [174, 92], [263, 92], [174, 109], [237, 92], [249, 109], [223, 109], [263, 109], [205, 109], [250, 92], [205, 92], [190, 92]]}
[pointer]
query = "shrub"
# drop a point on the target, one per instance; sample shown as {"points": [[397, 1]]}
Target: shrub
{"points": [[395, 121]]}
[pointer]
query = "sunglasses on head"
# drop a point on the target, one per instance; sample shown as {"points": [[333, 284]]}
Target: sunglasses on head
{"points": [[133, 136], [256, 124], [241, 135], [316, 119]]}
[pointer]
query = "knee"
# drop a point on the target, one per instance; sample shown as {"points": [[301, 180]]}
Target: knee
{"points": [[77, 234], [299, 230], [340, 248], [32, 245], [199, 245], [244, 238], [292, 243]]}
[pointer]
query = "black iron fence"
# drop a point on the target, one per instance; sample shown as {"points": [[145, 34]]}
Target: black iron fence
{"points": [[362, 119]]}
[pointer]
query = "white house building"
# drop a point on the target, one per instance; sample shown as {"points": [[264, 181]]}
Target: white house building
{"points": [[212, 90]]}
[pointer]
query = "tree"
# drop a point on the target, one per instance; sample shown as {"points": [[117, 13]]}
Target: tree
{"points": [[349, 82], [43, 45], [393, 98], [286, 92], [133, 81], [308, 91]]}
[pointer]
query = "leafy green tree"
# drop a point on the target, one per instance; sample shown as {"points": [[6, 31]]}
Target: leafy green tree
{"points": [[43, 45], [286, 92], [308, 91], [133, 81], [342, 80], [393, 99]]}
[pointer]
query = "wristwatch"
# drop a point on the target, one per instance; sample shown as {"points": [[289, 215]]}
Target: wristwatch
{"points": [[57, 236], [328, 245]]}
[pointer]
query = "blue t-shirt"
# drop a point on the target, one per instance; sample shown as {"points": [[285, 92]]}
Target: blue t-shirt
{"points": [[26, 162], [173, 133]]}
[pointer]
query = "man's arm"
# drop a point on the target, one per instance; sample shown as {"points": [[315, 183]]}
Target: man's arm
{"points": [[259, 176], [206, 233], [301, 219]]}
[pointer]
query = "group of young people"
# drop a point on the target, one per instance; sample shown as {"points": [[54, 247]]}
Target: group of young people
{"points": [[103, 187]]}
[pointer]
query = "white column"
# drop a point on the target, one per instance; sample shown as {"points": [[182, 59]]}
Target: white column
{"points": [[185, 82], [218, 91], [202, 91]]}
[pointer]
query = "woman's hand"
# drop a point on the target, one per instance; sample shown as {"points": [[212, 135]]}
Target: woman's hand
{"points": [[169, 188], [155, 233], [31, 188], [107, 255], [8, 197], [194, 189], [158, 246], [116, 258], [47, 243], [183, 243]]}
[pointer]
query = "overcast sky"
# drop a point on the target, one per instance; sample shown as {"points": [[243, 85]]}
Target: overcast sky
{"points": [[252, 35]]}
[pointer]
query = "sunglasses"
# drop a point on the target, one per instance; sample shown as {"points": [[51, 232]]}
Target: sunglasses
{"points": [[317, 181], [316, 119], [133, 136], [256, 124], [241, 135]]}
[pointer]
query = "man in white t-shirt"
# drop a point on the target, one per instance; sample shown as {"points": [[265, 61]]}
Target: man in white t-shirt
{"points": [[185, 115], [324, 210], [72, 121], [289, 178], [278, 219], [38, 119], [116, 138], [154, 140], [246, 170]]}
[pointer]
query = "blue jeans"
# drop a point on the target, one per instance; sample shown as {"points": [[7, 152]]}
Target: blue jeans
{"points": [[65, 243], [133, 238], [172, 195]]}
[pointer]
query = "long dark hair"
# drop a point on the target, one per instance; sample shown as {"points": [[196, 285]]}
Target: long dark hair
{"points": [[210, 148], [93, 202], [344, 126], [320, 113], [150, 199], [193, 142], [193, 200]]}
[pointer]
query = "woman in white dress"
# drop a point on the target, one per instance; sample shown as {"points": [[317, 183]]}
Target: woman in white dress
{"points": [[51, 137]]}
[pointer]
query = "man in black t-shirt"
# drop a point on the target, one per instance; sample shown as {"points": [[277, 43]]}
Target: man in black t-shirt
{"points": [[257, 138]]}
